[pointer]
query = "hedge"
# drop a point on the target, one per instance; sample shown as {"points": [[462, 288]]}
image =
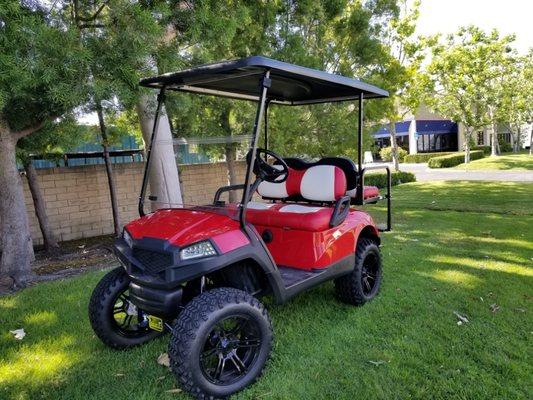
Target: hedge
{"points": [[423, 157], [380, 180], [452, 160], [486, 149]]}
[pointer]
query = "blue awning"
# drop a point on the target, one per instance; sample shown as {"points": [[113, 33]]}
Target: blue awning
{"points": [[402, 129], [426, 127]]}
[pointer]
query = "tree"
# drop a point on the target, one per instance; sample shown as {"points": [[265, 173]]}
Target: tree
{"points": [[516, 106], [47, 143], [340, 37], [462, 78], [236, 29], [40, 61], [121, 37], [399, 72]]}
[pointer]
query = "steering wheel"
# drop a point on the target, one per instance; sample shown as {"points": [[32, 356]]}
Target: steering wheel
{"points": [[263, 170]]}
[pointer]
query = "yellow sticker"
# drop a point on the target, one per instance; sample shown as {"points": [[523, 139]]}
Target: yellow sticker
{"points": [[155, 323]]}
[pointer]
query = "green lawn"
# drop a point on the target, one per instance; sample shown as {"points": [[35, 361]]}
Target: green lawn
{"points": [[456, 246], [508, 161]]}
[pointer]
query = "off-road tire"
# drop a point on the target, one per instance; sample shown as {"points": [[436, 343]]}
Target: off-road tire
{"points": [[349, 288], [195, 322], [101, 312]]}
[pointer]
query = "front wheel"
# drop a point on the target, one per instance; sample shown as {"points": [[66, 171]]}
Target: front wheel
{"points": [[220, 343], [363, 283], [114, 318]]}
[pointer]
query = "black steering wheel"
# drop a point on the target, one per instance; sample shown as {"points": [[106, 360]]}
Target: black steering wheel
{"points": [[277, 173]]}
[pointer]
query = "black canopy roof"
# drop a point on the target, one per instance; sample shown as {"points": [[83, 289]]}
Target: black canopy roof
{"points": [[291, 84]]}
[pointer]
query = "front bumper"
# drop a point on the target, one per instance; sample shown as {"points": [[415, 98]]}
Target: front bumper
{"points": [[160, 302]]}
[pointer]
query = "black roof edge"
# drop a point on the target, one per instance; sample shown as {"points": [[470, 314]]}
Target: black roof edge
{"points": [[175, 80]]}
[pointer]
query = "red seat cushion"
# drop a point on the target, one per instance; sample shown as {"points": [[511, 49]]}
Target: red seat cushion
{"points": [[370, 191], [292, 216]]}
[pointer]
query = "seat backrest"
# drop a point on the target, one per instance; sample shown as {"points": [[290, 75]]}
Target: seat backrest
{"points": [[318, 183], [283, 190], [348, 166], [323, 183]]}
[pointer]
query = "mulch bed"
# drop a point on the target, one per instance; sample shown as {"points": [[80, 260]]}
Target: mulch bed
{"points": [[73, 258]]}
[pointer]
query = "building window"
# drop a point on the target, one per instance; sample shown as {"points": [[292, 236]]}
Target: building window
{"points": [[436, 142], [480, 138], [506, 137]]}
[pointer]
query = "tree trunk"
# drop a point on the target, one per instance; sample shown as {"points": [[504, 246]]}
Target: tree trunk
{"points": [[17, 246], [531, 139], [468, 135], [231, 154], [50, 242], [163, 175], [494, 145], [516, 139], [109, 169], [394, 146]]}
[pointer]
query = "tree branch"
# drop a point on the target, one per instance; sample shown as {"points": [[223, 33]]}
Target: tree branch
{"points": [[84, 26], [29, 130], [94, 16]]}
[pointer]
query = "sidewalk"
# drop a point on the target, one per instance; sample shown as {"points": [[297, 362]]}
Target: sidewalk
{"points": [[423, 173]]}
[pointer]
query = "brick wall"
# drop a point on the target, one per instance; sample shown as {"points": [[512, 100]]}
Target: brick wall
{"points": [[77, 198]]}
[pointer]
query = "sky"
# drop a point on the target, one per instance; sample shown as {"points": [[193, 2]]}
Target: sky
{"points": [[508, 16]]}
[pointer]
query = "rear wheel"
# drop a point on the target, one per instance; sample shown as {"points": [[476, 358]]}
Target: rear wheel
{"points": [[220, 343], [363, 283], [114, 318]]}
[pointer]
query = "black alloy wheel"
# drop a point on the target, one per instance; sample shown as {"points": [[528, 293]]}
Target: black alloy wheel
{"points": [[220, 343], [363, 283], [370, 272], [230, 349], [114, 319]]}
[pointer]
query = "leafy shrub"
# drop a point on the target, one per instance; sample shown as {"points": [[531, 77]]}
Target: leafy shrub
{"points": [[486, 149], [454, 159], [504, 146], [423, 157], [380, 179], [386, 154]]}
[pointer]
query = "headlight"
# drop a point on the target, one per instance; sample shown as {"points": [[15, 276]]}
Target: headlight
{"points": [[127, 238], [201, 249]]}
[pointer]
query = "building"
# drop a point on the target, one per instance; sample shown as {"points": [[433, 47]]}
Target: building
{"points": [[427, 132]]}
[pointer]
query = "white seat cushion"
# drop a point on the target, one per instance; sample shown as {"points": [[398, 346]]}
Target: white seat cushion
{"points": [[255, 205], [273, 190], [299, 209]]}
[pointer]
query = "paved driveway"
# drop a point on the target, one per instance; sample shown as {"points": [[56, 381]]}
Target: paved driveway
{"points": [[423, 173]]}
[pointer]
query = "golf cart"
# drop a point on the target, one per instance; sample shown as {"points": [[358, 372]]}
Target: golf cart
{"points": [[198, 271]]}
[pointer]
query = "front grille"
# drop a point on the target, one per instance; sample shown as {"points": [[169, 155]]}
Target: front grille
{"points": [[153, 261]]}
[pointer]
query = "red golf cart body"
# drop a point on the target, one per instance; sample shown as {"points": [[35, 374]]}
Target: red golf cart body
{"points": [[292, 235]]}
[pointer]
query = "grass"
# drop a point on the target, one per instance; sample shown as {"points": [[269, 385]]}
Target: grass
{"points": [[508, 161], [456, 247]]}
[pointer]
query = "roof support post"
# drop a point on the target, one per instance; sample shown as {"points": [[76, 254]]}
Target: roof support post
{"points": [[359, 192], [160, 101], [266, 124], [264, 85]]}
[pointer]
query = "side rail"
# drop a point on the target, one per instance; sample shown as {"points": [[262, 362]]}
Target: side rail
{"points": [[224, 189], [360, 196]]}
